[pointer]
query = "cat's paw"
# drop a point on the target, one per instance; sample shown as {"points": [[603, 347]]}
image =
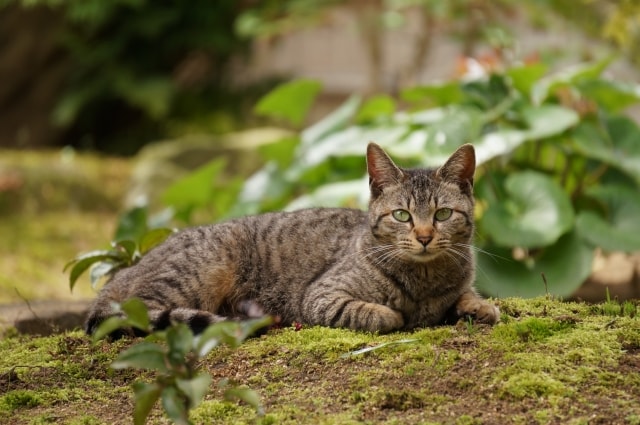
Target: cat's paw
{"points": [[384, 319], [481, 310]]}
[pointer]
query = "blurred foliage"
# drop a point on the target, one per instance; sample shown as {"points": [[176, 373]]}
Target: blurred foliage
{"points": [[144, 70], [558, 176], [559, 166], [140, 67]]}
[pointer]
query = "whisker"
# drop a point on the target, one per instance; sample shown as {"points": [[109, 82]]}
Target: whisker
{"points": [[482, 251]]}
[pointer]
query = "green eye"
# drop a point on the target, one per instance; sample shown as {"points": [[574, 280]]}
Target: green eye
{"points": [[402, 215], [443, 214]]}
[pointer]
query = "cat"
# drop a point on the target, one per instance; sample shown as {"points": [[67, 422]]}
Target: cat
{"points": [[406, 263]]}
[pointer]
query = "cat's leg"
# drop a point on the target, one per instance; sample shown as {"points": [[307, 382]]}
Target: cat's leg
{"points": [[471, 304], [341, 310]]}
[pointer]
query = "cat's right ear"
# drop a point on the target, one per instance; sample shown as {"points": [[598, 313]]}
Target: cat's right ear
{"points": [[382, 171]]}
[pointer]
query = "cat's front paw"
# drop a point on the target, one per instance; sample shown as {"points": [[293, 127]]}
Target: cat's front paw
{"points": [[481, 310], [382, 319]]}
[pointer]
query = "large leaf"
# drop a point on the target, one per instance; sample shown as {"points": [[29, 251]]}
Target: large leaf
{"points": [[524, 77], [620, 229], [290, 101], [334, 121], [568, 76], [376, 109], [617, 145], [542, 122], [351, 193], [195, 189], [437, 94], [566, 265], [535, 212], [614, 96]]}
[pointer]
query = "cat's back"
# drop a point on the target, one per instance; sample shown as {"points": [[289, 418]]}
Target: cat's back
{"points": [[303, 237]]}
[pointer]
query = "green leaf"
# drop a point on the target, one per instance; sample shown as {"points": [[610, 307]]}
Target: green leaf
{"points": [[439, 94], [137, 314], [196, 188], [100, 270], [108, 326], [132, 225], [153, 238], [82, 262], [535, 213], [548, 120], [195, 388], [333, 122], [145, 355], [247, 395], [566, 265], [620, 229], [146, 396], [180, 340], [523, 78], [290, 101], [129, 247], [281, 152], [174, 406], [617, 145], [568, 76], [377, 108], [352, 192], [613, 96]]}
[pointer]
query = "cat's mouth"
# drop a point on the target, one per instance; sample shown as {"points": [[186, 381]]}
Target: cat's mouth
{"points": [[424, 254]]}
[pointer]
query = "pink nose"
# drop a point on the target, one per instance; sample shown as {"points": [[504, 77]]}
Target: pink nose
{"points": [[424, 240]]}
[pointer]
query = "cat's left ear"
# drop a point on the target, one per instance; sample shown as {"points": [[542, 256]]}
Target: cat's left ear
{"points": [[382, 170], [460, 166]]}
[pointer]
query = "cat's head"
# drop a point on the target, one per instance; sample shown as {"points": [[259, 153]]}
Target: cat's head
{"points": [[422, 214]]}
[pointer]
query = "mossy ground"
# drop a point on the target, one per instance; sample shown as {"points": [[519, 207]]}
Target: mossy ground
{"points": [[546, 362]]}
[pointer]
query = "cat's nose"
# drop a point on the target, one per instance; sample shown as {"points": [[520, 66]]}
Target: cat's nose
{"points": [[424, 240]]}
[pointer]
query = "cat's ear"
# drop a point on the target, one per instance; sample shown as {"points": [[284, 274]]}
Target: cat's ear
{"points": [[382, 171], [460, 166]]}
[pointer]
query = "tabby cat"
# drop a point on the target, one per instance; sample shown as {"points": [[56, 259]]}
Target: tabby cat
{"points": [[406, 263]]}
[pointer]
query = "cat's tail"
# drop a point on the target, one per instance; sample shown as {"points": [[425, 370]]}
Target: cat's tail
{"points": [[197, 320]]}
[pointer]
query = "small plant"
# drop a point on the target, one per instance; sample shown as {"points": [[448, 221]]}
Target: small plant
{"points": [[133, 238], [175, 355]]}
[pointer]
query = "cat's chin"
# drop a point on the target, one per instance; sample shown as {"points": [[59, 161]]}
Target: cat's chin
{"points": [[423, 256]]}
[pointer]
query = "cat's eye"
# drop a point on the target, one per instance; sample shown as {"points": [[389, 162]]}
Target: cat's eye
{"points": [[402, 215], [443, 214]]}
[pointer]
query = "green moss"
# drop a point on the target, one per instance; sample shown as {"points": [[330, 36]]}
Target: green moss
{"points": [[19, 399], [532, 385], [560, 362]]}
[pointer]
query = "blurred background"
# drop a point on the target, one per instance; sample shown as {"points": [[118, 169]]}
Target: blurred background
{"points": [[120, 117]]}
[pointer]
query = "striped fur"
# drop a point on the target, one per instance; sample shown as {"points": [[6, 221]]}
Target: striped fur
{"points": [[323, 266]]}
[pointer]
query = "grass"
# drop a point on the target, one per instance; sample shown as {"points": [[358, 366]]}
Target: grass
{"points": [[546, 362]]}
